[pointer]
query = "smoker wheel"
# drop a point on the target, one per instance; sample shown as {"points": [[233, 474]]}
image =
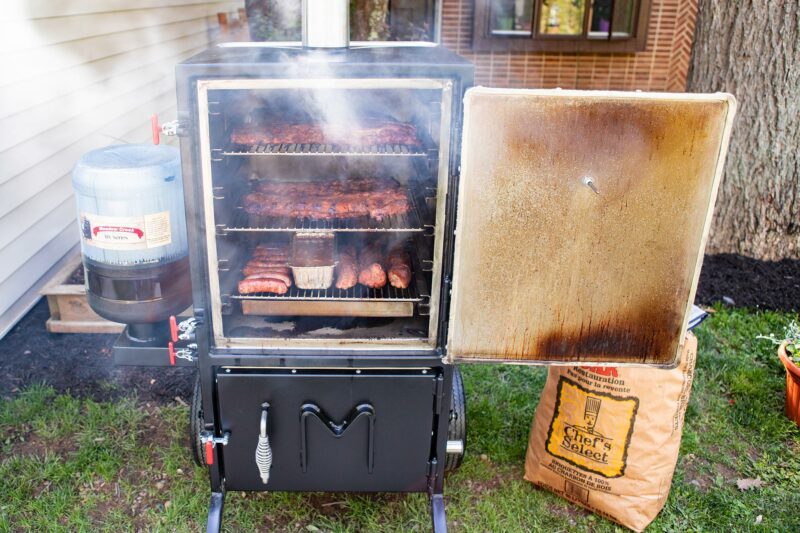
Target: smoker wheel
{"points": [[196, 425], [457, 426]]}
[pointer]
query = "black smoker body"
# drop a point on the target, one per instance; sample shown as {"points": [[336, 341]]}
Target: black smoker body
{"points": [[339, 416]]}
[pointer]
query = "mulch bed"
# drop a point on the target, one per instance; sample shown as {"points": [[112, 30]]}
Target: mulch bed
{"points": [[76, 278], [82, 365], [745, 282]]}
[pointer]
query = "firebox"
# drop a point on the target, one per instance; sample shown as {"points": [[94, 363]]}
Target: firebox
{"points": [[360, 219]]}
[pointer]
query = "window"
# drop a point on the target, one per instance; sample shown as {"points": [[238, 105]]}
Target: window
{"points": [[406, 20], [561, 25]]}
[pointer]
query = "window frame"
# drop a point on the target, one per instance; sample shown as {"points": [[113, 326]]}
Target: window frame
{"points": [[484, 41]]}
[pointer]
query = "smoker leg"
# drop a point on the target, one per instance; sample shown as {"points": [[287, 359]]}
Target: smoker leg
{"points": [[215, 512], [437, 514]]}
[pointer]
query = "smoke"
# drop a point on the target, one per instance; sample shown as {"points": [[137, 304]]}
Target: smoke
{"points": [[287, 13], [337, 111], [274, 20]]}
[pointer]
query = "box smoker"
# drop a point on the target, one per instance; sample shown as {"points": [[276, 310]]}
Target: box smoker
{"points": [[360, 219]]}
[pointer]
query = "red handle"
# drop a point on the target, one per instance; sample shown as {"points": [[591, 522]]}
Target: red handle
{"points": [[209, 452], [173, 328], [171, 348], [156, 129]]}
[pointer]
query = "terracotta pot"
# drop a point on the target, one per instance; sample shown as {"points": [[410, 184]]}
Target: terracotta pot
{"points": [[792, 386]]}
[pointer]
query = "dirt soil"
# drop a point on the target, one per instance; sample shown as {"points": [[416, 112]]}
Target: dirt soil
{"points": [[745, 282], [76, 278], [82, 365]]}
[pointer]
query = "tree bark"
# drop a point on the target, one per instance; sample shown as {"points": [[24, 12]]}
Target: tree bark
{"points": [[752, 49], [369, 20]]}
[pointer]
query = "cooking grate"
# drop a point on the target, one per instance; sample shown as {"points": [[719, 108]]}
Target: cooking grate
{"points": [[406, 222], [325, 149], [359, 293], [358, 301]]}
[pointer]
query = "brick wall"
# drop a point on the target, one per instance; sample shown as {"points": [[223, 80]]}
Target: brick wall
{"points": [[661, 67]]}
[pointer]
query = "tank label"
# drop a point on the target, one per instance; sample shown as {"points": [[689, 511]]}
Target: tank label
{"points": [[126, 233]]}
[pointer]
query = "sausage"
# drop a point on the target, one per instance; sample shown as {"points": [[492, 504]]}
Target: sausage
{"points": [[250, 286], [270, 253], [266, 263], [272, 274], [249, 270], [259, 270]]}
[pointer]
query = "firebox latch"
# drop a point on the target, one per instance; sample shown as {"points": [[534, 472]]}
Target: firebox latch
{"points": [[183, 330], [170, 128], [186, 353], [210, 441]]}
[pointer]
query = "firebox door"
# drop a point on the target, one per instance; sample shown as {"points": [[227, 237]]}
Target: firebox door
{"points": [[354, 430]]}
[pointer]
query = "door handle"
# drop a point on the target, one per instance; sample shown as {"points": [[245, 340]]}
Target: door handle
{"points": [[263, 449], [337, 430]]}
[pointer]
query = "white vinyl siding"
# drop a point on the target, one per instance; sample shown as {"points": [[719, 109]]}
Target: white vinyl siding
{"points": [[76, 76]]}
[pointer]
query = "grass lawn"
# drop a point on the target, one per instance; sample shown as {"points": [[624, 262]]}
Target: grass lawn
{"points": [[76, 465]]}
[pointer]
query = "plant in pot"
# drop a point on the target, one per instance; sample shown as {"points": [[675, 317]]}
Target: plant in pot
{"points": [[789, 353]]}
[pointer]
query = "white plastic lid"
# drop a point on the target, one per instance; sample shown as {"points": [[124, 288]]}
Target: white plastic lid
{"points": [[127, 167]]}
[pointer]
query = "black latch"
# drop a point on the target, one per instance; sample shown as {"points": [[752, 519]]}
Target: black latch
{"points": [[438, 388], [432, 468]]}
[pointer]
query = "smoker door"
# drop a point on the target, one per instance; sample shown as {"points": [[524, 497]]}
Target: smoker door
{"points": [[581, 222]]}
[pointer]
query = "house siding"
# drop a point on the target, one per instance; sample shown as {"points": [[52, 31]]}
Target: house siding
{"points": [[663, 66], [80, 75], [77, 76]]}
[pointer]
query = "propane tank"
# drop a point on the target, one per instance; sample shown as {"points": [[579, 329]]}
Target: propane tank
{"points": [[133, 234]]}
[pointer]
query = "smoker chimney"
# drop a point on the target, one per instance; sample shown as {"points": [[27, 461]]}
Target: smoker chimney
{"points": [[326, 23]]}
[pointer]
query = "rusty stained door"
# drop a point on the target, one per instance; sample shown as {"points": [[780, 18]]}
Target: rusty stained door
{"points": [[581, 222]]}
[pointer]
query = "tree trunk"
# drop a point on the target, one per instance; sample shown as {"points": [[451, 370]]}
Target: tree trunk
{"points": [[369, 20], [752, 49]]}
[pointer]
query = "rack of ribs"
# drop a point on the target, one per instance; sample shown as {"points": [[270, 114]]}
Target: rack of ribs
{"points": [[328, 199], [368, 132]]}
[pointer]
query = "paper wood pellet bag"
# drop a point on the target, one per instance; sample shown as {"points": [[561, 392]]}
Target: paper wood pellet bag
{"points": [[608, 438]]}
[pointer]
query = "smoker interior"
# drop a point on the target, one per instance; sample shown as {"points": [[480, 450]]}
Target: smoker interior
{"points": [[378, 315]]}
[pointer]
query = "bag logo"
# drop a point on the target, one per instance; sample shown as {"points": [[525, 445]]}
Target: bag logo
{"points": [[590, 429]]}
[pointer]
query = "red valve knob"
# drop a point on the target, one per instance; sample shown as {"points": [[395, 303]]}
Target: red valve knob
{"points": [[171, 348], [156, 129], [173, 328], [209, 452]]}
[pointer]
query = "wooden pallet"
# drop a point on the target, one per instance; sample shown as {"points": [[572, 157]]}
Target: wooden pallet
{"points": [[69, 310]]}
